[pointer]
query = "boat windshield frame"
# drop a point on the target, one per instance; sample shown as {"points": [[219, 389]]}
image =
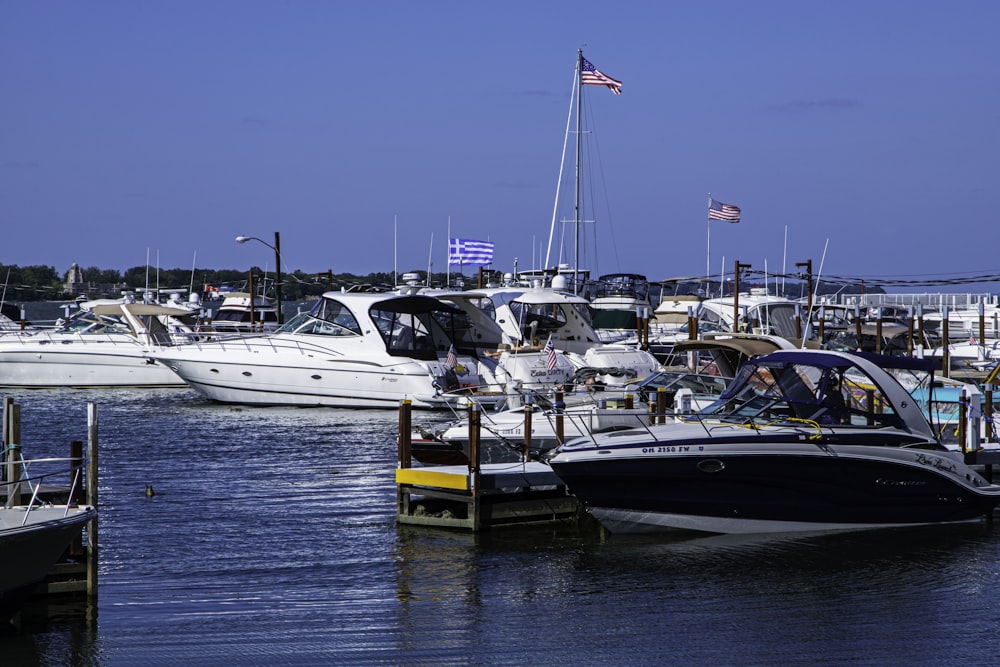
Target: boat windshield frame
{"points": [[773, 389]]}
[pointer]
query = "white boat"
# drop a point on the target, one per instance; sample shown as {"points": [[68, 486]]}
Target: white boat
{"points": [[352, 349], [502, 432], [102, 345], [618, 301], [704, 369], [802, 440], [758, 312], [33, 536], [241, 313], [534, 316]]}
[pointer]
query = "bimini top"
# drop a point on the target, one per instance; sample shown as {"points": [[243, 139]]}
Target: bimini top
{"points": [[823, 386]]}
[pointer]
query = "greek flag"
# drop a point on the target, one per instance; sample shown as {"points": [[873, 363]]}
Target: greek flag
{"points": [[467, 251]]}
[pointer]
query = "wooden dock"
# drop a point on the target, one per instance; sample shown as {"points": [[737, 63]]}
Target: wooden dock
{"points": [[478, 497], [76, 571]]}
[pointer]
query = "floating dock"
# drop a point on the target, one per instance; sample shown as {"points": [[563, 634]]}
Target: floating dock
{"points": [[478, 497]]}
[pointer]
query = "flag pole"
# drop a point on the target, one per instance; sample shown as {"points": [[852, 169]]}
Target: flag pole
{"points": [[708, 252], [447, 274]]}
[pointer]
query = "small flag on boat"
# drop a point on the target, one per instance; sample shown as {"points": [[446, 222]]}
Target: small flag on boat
{"points": [[467, 251], [972, 339], [591, 76], [550, 354], [451, 361], [719, 211]]}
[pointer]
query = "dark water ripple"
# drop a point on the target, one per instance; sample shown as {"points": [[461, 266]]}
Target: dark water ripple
{"points": [[271, 540]]}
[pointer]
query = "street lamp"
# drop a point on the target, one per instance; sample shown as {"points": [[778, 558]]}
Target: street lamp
{"points": [[277, 268]]}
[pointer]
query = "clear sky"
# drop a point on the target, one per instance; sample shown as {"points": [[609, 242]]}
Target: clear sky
{"points": [[868, 129]]}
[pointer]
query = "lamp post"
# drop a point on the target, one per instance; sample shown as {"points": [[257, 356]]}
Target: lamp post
{"points": [[277, 268]]}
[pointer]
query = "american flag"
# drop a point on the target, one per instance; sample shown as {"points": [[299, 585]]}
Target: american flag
{"points": [[972, 339], [451, 361], [719, 211], [550, 354], [591, 76]]}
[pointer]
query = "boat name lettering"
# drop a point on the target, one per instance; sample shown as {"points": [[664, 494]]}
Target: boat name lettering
{"points": [[936, 462], [665, 449], [881, 481], [545, 373]]}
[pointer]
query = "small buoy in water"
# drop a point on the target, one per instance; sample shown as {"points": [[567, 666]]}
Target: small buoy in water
{"points": [[149, 491]]}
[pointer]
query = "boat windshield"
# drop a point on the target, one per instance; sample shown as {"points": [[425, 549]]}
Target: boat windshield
{"points": [[327, 317], [410, 334], [775, 391], [90, 323]]}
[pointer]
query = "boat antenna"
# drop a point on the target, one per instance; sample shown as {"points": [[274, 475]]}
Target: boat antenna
{"points": [[784, 255], [430, 262], [194, 260]]}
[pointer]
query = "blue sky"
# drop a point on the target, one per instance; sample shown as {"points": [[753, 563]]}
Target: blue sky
{"points": [[358, 129]]}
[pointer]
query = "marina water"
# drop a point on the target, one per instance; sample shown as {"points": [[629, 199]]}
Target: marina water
{"points": [[271, 540]]}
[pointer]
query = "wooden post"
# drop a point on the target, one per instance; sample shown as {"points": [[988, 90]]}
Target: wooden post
{"points": [[920, 328], [12, 444], [988, 412], [645, 327], [945, 352], [692, 324], [404, 452], [909, 333], [76, 481], [878, 335], [529, 408], [661, 405], [92, 500], [857, 324], [560, 404], [963, 425], [474, 465]]}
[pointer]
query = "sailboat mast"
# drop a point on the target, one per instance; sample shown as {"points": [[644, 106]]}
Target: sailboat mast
{"points": [[576, 200]]}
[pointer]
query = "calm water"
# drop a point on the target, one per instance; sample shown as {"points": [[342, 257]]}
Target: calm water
{"points": [[272, 540]]}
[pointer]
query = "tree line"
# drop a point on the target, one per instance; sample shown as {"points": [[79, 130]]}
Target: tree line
{"points": [[44, 283]]}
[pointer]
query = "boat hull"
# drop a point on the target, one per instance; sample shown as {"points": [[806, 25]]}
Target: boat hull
{"points": [[82, 364], [29, 551], [761, 489], [257, 375]]}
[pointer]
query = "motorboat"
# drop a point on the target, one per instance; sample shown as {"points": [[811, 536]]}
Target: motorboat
{"points": [[351, 349], [489, 362], [703, 370], [33, 536], [242, 312], [537, 315], [103, 344], [758, 311], [617, 303], [558, 418], [801, 440]]}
